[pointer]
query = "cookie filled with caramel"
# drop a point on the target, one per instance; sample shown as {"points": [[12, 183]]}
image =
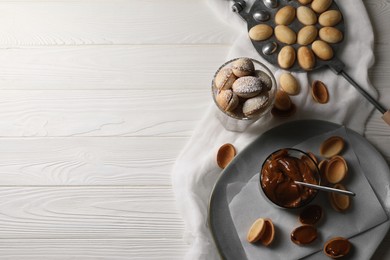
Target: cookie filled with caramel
{"points": [[280, 171]]}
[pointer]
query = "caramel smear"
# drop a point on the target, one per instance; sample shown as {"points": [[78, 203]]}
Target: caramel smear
{"points": [[225, 155], [277, 180], [337, 247], [304, 235], [311, 161], [311, 215]]}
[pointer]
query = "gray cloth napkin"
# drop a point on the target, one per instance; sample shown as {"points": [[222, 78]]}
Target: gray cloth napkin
{"points": [[195, 171]]}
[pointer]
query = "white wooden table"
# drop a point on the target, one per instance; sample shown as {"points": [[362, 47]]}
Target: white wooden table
{"points": [[97, 98]]}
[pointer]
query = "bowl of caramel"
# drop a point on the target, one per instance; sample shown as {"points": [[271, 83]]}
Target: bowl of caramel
{"points": [[279, 172]]}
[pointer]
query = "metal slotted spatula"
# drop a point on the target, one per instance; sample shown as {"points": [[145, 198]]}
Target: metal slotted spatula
{"points": [[263, 11]]}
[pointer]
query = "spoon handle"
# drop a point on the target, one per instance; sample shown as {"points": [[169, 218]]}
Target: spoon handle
{"points": [[373, 101], [328, 189]]}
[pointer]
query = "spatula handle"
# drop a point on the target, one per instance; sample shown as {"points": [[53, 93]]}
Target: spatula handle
{"points": [[386, 117], [338, 67], [376, 104]]}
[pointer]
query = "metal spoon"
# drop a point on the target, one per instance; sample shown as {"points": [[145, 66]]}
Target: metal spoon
{"points": [[323, 188]]}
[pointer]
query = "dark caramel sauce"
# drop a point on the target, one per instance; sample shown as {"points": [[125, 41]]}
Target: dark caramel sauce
{"points": [[277, 179], [338, 247], [311, 215], [304, 235]]}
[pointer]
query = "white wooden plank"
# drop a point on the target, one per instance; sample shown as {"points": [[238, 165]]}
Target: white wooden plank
{"points": [[376, 127], [24, 23], [99, 161], [376, 130], [89, 213], [110, 67], [101, 113], [27, 23], [379, 72], [379, 11], [88, 161], [129, 67], [114, 113], [114, 249]]}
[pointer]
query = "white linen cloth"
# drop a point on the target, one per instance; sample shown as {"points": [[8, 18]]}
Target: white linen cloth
{"points": [[195, 171]]}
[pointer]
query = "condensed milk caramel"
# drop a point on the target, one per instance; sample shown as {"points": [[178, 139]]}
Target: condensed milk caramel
{"points": [[278, 175], [337, 247]]}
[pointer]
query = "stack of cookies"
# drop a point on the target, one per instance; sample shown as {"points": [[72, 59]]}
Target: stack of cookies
{"points": [[241, 91]]}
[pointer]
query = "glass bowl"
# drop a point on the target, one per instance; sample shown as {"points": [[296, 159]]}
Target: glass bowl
{"points": [[278, 173], [237, 116]]}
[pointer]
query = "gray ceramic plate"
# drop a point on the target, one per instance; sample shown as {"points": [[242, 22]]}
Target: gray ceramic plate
{"points": [[288, 135]]}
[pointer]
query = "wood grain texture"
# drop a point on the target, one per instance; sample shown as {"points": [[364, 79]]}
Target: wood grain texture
{"points": [[379, 11], [379, 72], [89, 212], [110, 67], [377, 128], [88, 161], [101, 113], [113, 249], [97, 99], [128, 22], [32, 23], [115, 113], [46, 214]]}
